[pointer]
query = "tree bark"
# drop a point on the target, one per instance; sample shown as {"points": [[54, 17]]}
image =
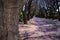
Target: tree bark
{"points": [[29, 9], [1, 19], [10, 20]]}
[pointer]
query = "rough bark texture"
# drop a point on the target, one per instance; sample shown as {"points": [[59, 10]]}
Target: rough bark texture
{"points": [[10, 20]]}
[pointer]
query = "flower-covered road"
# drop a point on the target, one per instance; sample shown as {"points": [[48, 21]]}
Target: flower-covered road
{"points": [[40, 29]]}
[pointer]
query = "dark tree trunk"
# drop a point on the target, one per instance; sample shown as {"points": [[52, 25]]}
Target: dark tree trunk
{"points": [[24, 17], [29, 9], [1, 20]]}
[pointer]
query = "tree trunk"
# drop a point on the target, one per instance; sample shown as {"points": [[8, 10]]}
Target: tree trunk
{"points": [[1, 19], [10, 20], [29, 9], [24, 15]]}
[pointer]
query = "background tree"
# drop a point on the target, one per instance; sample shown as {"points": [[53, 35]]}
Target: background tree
{"points": [[29, 9]]}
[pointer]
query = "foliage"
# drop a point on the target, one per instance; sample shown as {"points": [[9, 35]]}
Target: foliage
{"points": [[20, 16]]}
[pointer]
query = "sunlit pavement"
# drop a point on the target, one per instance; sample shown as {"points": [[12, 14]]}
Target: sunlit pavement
{"points": [[40, 29]]}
